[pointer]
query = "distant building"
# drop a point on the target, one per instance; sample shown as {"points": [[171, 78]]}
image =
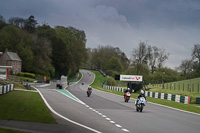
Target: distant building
{"points": [[11, 59]]}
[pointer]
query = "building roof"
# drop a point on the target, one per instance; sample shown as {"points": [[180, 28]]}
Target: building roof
{"points": [[14, 56]]}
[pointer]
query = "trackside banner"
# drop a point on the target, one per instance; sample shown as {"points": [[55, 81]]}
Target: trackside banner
{"points": [[130, 78]]}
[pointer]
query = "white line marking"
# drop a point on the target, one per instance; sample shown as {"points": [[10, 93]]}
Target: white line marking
{"points": [[112, 122], [125, 130], [108, 119], [117, 125], [103, 116], [63, 116]]}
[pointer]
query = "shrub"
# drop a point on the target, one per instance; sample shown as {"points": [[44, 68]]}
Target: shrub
{"points": [[111, 81], [29, 75]]}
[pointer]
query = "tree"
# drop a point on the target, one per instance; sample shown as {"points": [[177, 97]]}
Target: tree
{"points": [[162, 56], [196, 58], [30, 24], [19, 22], [72, 44], [15, 40], [186, 66], [77, 48], [139, 56], [196, 53], [2, 22], [114, 64], [153, 54], [100, 56], [10, 38]]}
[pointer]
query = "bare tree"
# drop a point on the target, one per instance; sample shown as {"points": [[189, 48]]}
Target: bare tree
{"points": [[19, 22], [139, 56], [186, 66], [162, 56], [2, 19], [153, 54], [196, 53]]}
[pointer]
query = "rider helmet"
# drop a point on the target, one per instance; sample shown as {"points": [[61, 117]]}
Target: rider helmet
{"points": [[142, 92], [128, 88]]}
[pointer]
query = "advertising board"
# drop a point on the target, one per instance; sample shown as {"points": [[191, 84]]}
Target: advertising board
{"points": [[130, 78]]}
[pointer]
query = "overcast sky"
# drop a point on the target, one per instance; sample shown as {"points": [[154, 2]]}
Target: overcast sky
{"points": [[173, 25]]}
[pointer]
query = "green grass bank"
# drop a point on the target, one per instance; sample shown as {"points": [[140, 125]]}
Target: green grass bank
{"points": [[24, 106]]}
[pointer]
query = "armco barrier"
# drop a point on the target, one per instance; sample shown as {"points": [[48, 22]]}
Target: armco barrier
{"points": [[6, 88], [113, 88], [170, 97]]}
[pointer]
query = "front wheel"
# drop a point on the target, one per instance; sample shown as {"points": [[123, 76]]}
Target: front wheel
{"points": [[88, 94], [137, 109], [141, 108]]}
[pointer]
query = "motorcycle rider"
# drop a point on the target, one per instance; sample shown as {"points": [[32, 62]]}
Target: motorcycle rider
{"points": [[89, 90], [127, 90], [141, 95]]}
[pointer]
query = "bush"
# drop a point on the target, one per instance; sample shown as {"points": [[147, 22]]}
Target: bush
{"points": [[42, 77], [112, 73], [111, 81], [29, 75]]}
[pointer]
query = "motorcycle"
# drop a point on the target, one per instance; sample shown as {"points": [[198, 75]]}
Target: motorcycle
{"points": [[127, 96], [140, 104], [89, 91]]}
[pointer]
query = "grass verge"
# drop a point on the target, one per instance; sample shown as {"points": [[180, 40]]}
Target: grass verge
{"points": [[99, 80], [24, 106], [177, 92], [9, 131]]}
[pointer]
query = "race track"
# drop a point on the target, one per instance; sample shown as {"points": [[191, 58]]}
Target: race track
{"points": [[108, 113]]}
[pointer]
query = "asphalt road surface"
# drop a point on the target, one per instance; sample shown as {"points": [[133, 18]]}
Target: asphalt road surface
{"points": [[108, 113]]}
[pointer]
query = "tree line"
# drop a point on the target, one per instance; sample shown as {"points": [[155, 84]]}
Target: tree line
{"points": [[44, 50], [146, 60], [62, 51]]}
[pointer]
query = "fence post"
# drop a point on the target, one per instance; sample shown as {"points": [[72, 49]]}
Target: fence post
{"points": [[174, 86], [192, 87]]}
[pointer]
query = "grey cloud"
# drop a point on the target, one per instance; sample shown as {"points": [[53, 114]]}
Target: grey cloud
{"points": [[170, 24]]}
